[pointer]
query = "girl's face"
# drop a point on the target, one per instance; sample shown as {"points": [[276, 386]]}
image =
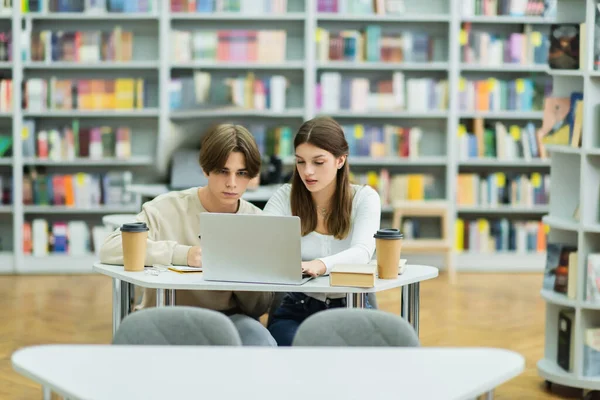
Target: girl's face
{"points": [[317, 167]]}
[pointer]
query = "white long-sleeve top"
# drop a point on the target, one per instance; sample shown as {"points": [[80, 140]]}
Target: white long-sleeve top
{"points": [[356, 248]]}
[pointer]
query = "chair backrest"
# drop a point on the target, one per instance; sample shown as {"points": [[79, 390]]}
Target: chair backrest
{"points": [[184, 326], [355, 327]]}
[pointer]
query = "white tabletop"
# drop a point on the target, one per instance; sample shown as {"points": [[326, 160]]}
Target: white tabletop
{"points": [[195, 281], [202, 372]]}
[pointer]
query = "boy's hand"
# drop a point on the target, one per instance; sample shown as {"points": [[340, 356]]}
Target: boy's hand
{"points": [[194, 257]]}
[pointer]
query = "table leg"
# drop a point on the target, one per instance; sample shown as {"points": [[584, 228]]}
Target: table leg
{"points": [[46, 393], [116, 305], [413, 305], [160, 297], [356, 300], [487, 395], [123, 301], [404, 302], [170, 297]]}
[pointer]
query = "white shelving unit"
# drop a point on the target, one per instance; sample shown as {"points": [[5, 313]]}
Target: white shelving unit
{"points": [[170, 128], [575, 176]]}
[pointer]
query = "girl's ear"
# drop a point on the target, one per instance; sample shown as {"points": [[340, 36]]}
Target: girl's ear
{"points": [[340, 161]]}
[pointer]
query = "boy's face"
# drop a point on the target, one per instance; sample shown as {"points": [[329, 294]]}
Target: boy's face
{"points": [[229, 184]]}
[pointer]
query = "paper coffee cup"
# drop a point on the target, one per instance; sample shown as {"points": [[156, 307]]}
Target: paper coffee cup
{"points": [[133, 238], [388, 245]]}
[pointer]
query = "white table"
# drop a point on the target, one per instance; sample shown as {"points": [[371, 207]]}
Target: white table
{"points": [[203, 372], [167, 282]]}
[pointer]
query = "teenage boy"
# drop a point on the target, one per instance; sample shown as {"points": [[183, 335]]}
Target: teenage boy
{"points": [[229, 158]]}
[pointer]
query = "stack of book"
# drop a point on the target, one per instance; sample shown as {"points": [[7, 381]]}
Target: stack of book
{"points": [[383, 141], [80, 46], [380, 7], [84, 94], [80, 190], [240, 6], [335, 93], [500, 95], [73, 141], [488, 236], [498, 141], [232, 45], [73, 238], [374, 46], [497, 189], [91, 6], [484, 48], [248, 92]]}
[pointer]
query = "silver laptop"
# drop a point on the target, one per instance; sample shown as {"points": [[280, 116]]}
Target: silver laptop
{"points": [[251, 248]]}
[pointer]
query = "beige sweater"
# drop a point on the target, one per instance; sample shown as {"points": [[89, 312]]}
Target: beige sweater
{"points": [[173, 219]]}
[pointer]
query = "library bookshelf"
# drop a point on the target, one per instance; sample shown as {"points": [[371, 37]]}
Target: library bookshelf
{"points": [[575, 176], [161, 128]]}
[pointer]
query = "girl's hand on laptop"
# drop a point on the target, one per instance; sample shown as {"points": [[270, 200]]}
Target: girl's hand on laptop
{"points": [[314, 268], [194, 257]]}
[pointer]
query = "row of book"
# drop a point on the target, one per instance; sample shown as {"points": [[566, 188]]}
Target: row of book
{"points": [[6, 53], [233, 45], [73, 238], [398, 187], [70, 142], [250, 92], [494, 94], [80, 190], [373, 46], [498, 141], [87, 6], [483, 235], [363, 140], [380, 7], [499, 188], [383, 141], [84, 94], [240, 6], [489, 48], [515, 8], [335, 93], [80, 46]]}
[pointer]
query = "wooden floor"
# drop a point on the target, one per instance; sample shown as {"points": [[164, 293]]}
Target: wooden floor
{"points": [[480, 310]]}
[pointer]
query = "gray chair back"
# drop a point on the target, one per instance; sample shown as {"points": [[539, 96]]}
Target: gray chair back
{"points": [[179, 325], [355, 327]]}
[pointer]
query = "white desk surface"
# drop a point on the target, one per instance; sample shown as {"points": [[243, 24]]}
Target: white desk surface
{"points": [[261, 193], [202, 372], [195, 281]]}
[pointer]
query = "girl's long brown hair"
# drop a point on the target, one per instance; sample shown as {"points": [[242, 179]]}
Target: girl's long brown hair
{"points": [[324, 133]]}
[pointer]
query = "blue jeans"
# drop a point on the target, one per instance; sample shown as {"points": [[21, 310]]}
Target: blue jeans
{"points": [[293, 310]]}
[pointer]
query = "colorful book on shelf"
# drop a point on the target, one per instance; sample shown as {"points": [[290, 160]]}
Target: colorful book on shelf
{"points": [[84, 94], [499, 235], [563, 122], [80, 46]]}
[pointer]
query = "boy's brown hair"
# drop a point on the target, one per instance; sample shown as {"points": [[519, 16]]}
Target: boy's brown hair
{"points": [[222, 140]]}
